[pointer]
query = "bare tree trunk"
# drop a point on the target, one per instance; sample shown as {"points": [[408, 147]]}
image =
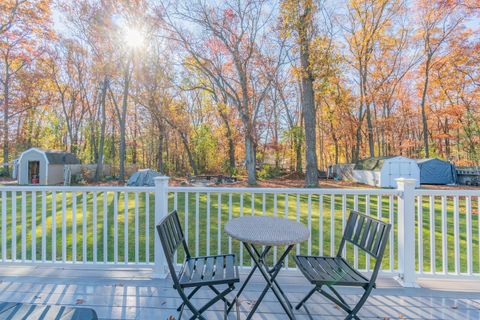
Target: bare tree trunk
{"points": [[309, 114], [189, 154], [250, 162], [6, 113], [101, 153], [122, 121], [422, 105], [160, 164], [231, 143]]}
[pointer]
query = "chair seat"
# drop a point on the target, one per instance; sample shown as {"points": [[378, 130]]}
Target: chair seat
{"points": [[211, 270], [330, 271]]}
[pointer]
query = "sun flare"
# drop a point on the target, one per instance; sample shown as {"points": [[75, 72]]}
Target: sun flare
{"points": [[133, 37]]}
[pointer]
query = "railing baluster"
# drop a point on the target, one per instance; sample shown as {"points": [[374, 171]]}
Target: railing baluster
{"points": [[125, 227], [34, 226], [264, 203], [105, 227], [355, 249], [4, 226], [14, 226], [147, 227], [297, 212], [44, 226], [433, 258], [420, 233], [286, 217], [24, 226], [332, 225], [229, 218], [175, 208], [468, 204], [95, 222], [54, 226], [208, 223], [219, 223], [74, 227], [456, 235], [367, 212], [275, 214], [197, 224], [137, 238], [320, 225], [115, 227], [344, 219], [64, 227], [392, 234], [84, 226], [186, 217], [230, 240], [309, 223], [444, 236]]}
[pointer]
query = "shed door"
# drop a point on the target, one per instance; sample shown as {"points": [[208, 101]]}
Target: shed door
{"points": [[400, 169], [34, 172]]}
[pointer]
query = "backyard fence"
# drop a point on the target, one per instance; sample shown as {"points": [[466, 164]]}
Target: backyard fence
{"points": [[436, 233]]}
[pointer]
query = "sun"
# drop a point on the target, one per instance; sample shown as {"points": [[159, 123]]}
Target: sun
{"points": [[134, 38]]}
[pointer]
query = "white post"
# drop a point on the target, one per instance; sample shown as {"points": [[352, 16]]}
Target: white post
{"points": [[161, 210], [406, 232]]}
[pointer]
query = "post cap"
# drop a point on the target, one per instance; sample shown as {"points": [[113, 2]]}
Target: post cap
{"points": [[160, 180], [406, 180]]}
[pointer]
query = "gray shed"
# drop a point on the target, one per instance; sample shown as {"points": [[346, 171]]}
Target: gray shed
{"points": [[436, 171], [45, 167], [143, 178]]}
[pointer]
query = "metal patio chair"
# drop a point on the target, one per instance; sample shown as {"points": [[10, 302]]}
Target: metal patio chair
{"points": [[364, 232], [196, 272]]}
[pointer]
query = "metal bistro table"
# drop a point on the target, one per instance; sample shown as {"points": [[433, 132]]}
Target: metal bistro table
{"points": [[267, 232]]}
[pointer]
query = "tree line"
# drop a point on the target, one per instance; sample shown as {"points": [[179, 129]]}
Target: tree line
{"points": [[245, 87]]}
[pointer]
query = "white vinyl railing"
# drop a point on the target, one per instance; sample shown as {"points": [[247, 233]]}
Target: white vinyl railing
{"points": [[70, 225], [204, 211], [436, 233], [448, 232]]}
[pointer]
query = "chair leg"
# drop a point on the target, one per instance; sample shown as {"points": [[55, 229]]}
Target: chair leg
{"points": [[189, 296], [212, 302], [186, 301], [307, 297], [359, 305]]}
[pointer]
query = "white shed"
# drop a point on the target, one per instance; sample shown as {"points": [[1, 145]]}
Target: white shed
{"points": [[382, 171], [45, 167]]}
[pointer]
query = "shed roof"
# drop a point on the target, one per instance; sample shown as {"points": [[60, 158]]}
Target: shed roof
{"points": [[56, 157], [419, 161], [60, 157], [375, 163]]}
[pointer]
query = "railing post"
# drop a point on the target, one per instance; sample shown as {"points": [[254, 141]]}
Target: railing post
{"points": [[406, 232], [161, 210]]}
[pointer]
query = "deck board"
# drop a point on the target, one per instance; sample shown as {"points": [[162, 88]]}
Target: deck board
{"points": [[132, 294]]}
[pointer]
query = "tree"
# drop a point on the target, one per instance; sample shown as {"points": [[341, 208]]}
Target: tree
{"points": [[22, 40], [226, 51], [438, 22], [298, 18]]}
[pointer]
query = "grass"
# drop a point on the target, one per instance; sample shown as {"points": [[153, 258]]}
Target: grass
{"points": [[198, 225]]}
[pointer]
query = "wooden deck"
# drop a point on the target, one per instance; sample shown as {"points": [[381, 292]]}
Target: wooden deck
{"points": [[132, 294]]}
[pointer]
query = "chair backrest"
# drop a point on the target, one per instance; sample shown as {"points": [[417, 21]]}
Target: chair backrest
{"points": [[171, 236], [367, 233]]}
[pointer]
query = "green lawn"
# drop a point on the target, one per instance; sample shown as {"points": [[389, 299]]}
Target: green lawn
{"points": [[197, 225]]}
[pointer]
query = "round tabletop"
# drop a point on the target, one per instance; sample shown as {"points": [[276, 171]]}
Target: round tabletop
{"points": [[268, 231]]}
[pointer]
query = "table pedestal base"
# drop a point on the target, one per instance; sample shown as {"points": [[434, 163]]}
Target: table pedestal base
{"points": [[270, 275]]}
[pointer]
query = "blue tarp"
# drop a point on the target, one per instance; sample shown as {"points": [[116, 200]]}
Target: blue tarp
{"points": [[436, 171], [143, 178]]}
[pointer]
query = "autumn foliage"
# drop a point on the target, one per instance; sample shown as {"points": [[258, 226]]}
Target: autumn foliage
{"points": [[247, 87]]}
